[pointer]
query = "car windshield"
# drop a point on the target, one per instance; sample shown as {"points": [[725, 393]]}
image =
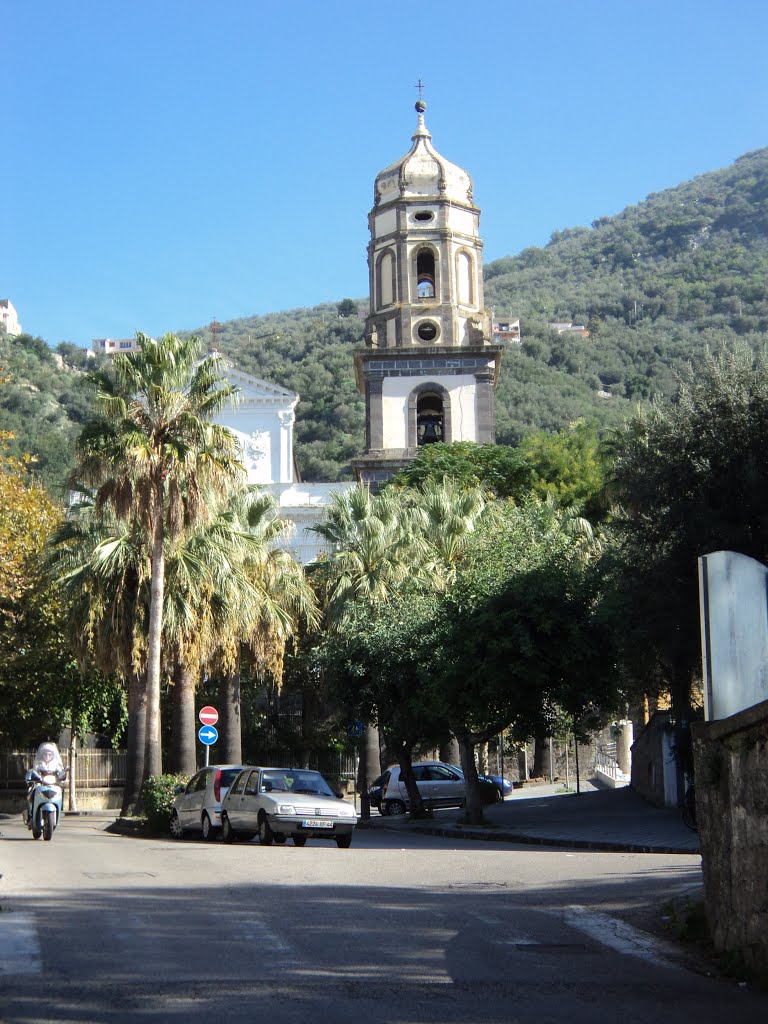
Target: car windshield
{"points": [[284, 780]]}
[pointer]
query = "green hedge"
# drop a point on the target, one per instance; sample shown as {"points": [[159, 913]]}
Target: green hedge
{"points": [[159, 792]]}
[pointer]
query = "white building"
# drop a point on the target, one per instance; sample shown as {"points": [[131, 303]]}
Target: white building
{"points": [[111, 346], [262, 416], [8, 318]]}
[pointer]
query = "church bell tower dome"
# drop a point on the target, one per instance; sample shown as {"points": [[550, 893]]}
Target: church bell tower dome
{"points": [[422, 172]]}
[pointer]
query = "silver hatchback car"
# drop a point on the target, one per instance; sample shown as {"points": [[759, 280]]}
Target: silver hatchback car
{"points": [[197, 807], [275, 803]]}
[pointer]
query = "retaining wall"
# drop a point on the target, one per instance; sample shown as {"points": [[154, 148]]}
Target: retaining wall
{"points": [[731, 769]]}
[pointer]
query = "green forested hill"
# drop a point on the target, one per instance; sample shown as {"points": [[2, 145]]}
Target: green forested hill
{"points": [[685, 269]]}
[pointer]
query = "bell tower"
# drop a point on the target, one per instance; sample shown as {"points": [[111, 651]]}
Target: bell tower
{"points": [[428, 370]]}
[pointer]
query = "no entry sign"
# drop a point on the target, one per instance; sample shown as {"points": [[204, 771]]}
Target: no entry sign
{"points": [[208, 715]]}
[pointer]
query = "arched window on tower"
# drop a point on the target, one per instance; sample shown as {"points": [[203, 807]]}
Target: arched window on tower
{"points": [[430, 419], [425, 274]]}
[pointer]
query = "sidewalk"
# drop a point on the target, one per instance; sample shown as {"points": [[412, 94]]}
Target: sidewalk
{"points": [[615, 819]]}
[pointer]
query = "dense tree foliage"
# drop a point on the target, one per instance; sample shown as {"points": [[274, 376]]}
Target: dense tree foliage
{"points": [[689, 477], [43, 403]]}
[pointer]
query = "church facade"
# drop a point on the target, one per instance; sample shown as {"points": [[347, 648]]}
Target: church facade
{"points": [[428, 369]]}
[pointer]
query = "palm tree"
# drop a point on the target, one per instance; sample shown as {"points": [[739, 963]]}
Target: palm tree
{"points": [[152, 455], [230, 589], [98, 563]]}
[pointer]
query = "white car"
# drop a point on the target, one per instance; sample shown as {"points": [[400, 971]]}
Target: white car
{"points": [[440, 785], [197, 807], [275, 803]]}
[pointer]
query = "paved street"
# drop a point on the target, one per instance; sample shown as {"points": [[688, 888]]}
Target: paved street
{"points": [[402, 928]]}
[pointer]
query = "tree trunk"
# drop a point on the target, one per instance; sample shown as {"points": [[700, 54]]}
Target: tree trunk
{"points": [[369, 767], [474, 808], [231, 738], [137, 731], [542, 761], [153, 758], [72, 804], [183, 733], [449, 752], [407, 778]]}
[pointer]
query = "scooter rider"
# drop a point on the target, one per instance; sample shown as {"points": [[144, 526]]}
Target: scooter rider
{"points": [[47, 762]]}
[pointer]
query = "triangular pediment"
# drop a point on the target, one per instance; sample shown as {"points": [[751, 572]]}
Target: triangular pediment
{"points": [[253, 389]]}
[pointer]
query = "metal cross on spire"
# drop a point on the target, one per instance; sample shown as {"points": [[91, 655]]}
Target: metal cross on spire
{"points": [[420, 86]]}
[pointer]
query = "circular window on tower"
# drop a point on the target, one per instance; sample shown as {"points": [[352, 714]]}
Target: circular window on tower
{"points": [[428, 331], [423, 215]]}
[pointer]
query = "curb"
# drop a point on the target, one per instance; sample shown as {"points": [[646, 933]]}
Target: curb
{"points": [[529, 840]]}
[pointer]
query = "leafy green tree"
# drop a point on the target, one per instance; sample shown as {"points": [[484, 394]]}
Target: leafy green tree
{"points": [[516, 637], [689, 477], [498, 469], [569, 466]]}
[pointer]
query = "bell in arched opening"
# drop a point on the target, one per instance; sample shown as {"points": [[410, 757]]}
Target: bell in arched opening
{"points": [[430, 420]]}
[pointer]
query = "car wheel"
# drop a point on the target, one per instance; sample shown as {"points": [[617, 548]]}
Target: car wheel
{"points": [[174, 826], [209, 832], [227, 832], [266, 836], [299, 840], [395, 807], [344, 842], [499, 795]]}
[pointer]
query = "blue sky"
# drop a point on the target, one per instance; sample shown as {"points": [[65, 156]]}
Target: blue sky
{"points": [[171, 161]]}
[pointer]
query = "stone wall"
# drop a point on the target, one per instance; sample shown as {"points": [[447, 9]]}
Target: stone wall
{"points": [[731, 769]]}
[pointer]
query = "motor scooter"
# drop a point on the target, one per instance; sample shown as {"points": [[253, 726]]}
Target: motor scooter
{"points": [[44, 804]]}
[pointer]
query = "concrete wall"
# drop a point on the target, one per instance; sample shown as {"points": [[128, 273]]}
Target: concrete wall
{"points": [[731, 768], [654, 771]]}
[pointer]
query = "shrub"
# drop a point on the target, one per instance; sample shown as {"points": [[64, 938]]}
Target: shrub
{"points": [[159, 792]]}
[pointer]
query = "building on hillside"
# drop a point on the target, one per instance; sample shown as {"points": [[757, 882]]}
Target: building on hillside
{"points": [[566, 327], [262, 417], [428, 369], [8, 318], [111, 346], [505, 331]]}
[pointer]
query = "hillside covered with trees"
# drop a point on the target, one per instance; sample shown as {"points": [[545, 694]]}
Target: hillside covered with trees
{"points": [[657, 284]]}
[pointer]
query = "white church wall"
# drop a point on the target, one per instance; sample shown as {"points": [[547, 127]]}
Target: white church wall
{"points": [[395, 392]]}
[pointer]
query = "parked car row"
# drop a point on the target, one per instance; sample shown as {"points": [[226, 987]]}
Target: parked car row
{"points": [[243, 801], [440, 785]]}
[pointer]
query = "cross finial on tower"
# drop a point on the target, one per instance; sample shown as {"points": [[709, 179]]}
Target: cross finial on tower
{"points": [[421, 106]]}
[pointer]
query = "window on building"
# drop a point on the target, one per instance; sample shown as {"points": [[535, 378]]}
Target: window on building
{"points": [[430, 420], [425, 274]]}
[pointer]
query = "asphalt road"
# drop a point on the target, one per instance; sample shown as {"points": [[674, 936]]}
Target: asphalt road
{"points": [[401, 928]]}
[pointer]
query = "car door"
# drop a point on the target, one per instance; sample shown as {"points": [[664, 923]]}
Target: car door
{"points": [[184, 807], [197, 798], [234, 800], [446, 787], [250, 803], [421, 775]]}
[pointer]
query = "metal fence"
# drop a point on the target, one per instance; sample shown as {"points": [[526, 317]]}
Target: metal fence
{"points": [[94, 769], [104, 769]]}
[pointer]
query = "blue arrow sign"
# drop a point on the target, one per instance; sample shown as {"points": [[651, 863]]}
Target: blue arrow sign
{"points": [[208, 735]]}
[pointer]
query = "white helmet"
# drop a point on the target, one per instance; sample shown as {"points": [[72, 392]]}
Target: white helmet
{"points": [[48, 758]]}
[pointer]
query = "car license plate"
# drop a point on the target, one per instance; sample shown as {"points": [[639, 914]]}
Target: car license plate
{"points": [[316, 823]]}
